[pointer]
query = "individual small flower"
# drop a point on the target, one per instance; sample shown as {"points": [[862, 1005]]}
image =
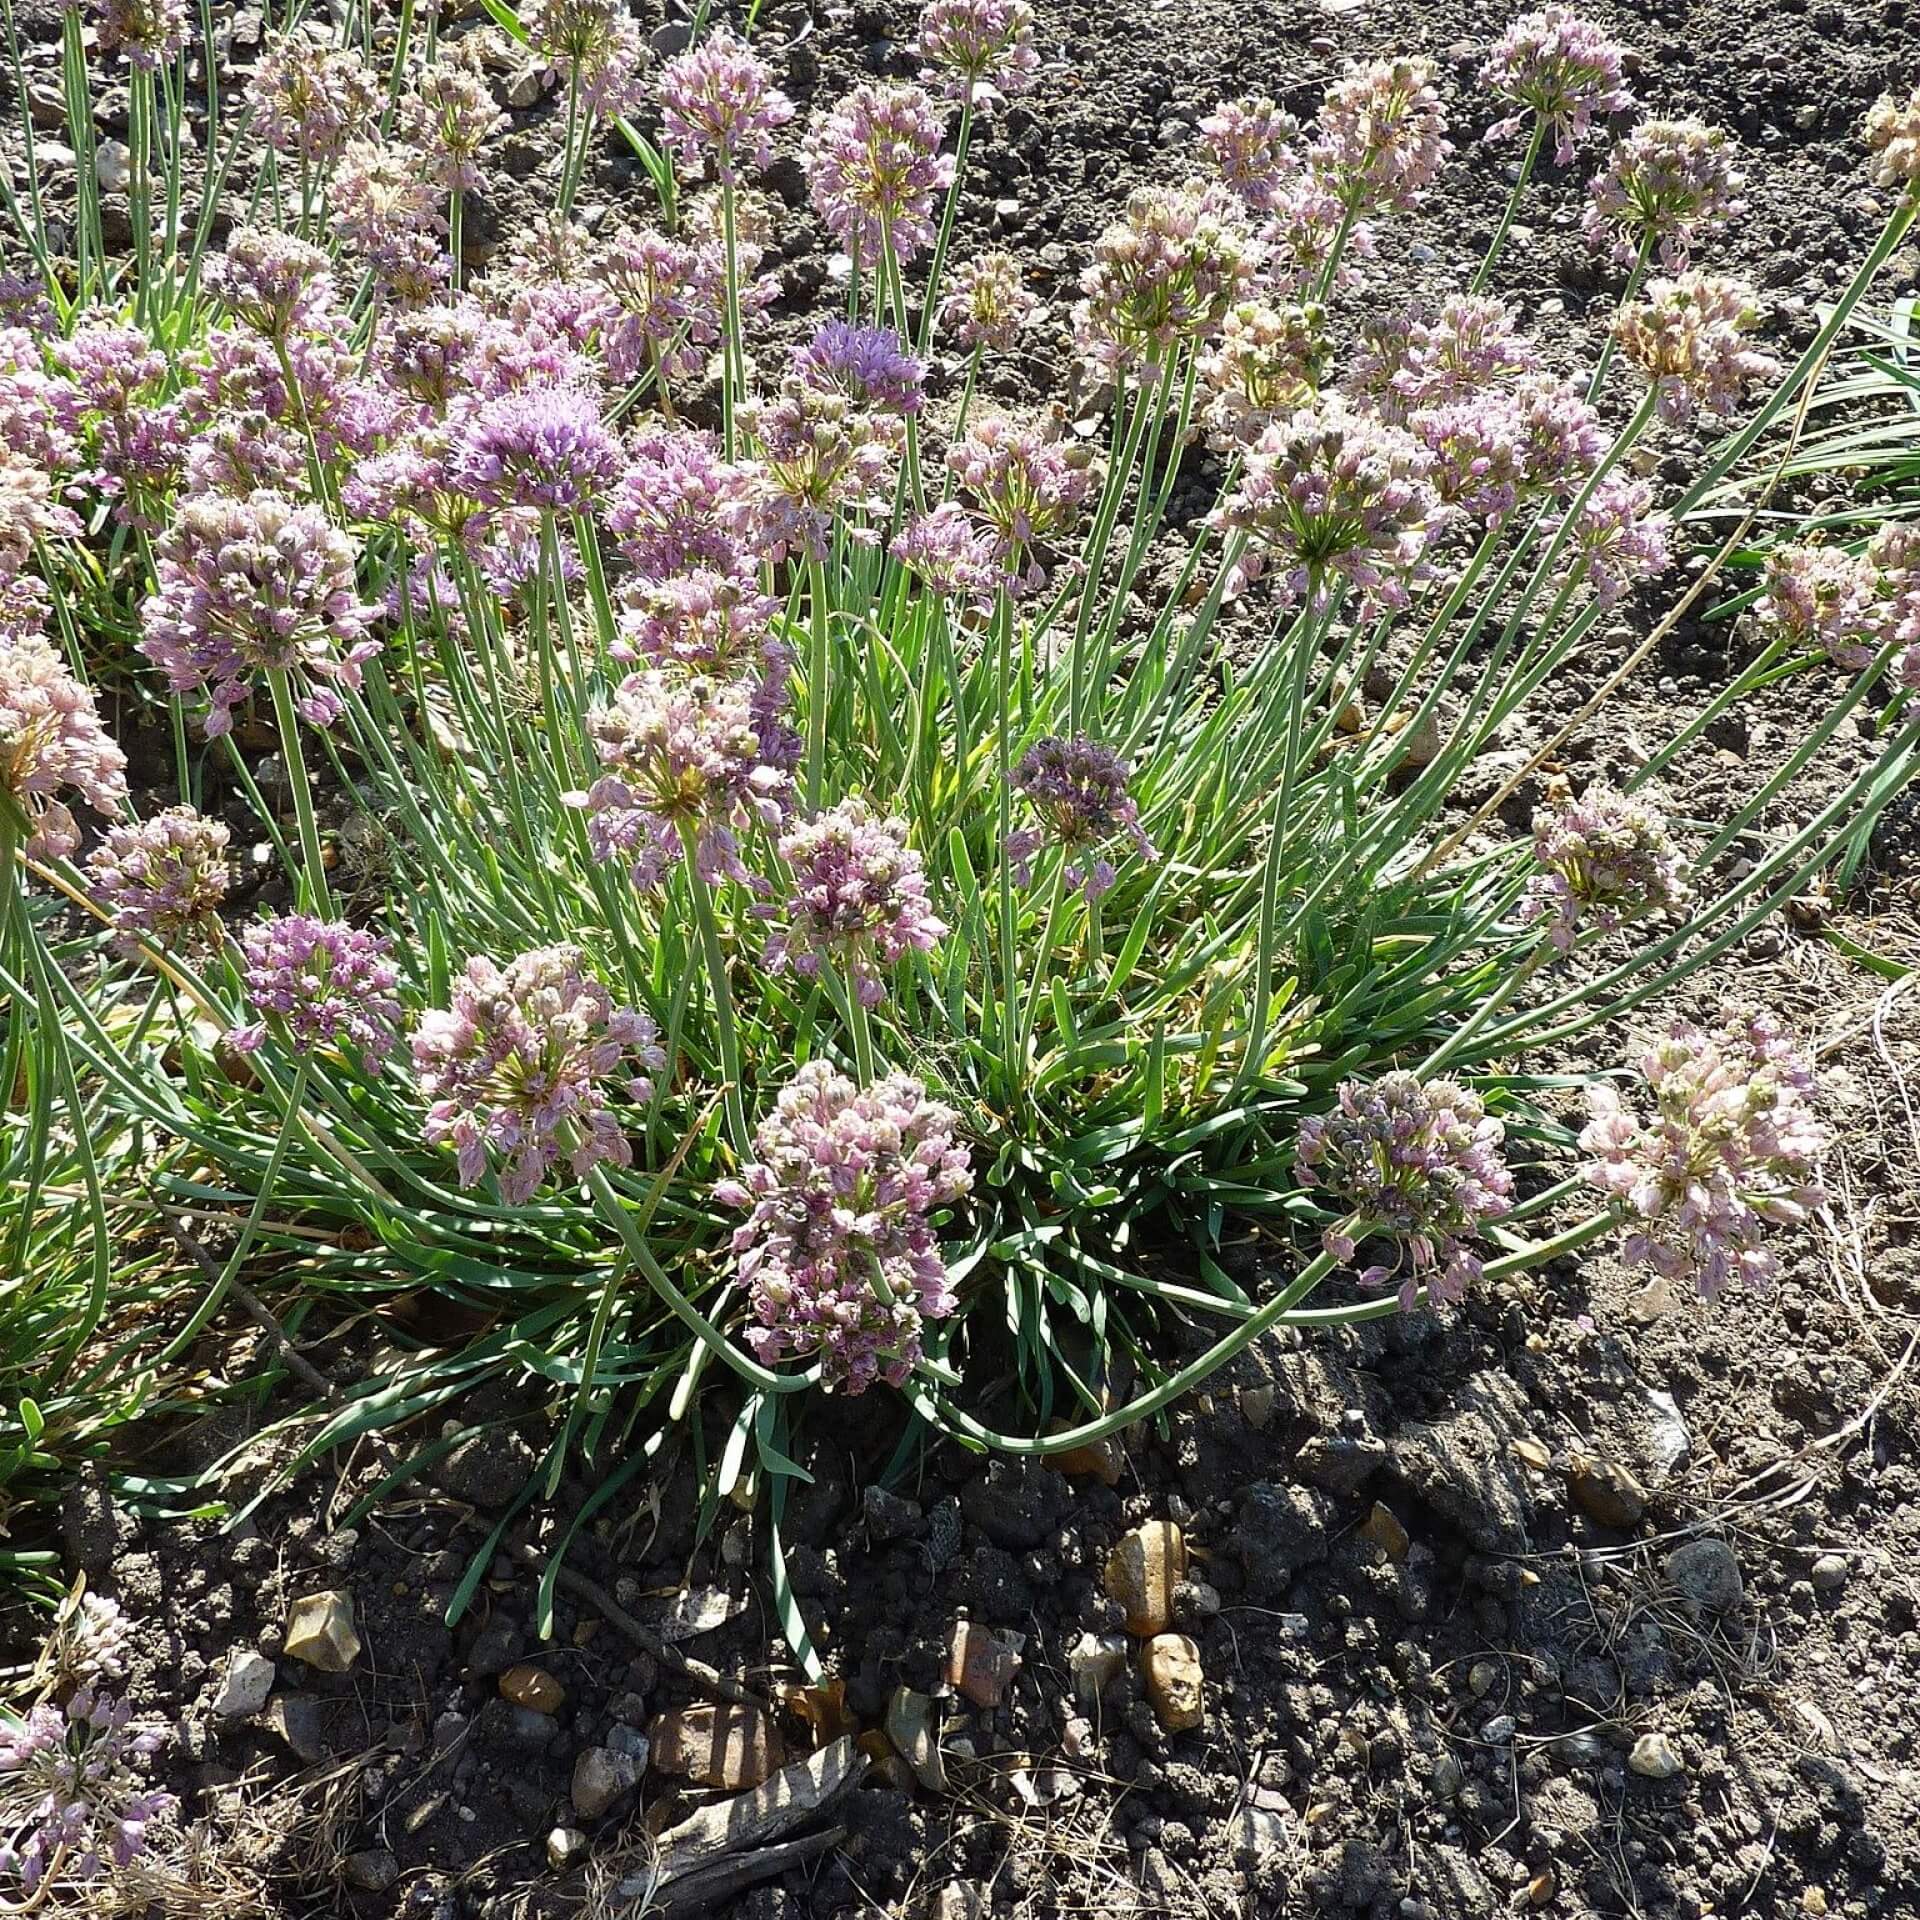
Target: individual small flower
{"points": [[679, 753], [1419, 358], [874, 167], [163, 880], [145, 33], [448, 118], [322, 985], [1620, 537], [838, 1251], [664, 317], [51, 743], [1078, 788], [1892, 134], [540, 446], [275, 282], [1689, 337], [821, 455], [1252, 143], [1559, 67], [1269, 360], [308, 101], [1332, 491], [679, 507], [1163, 275], [977, 49], [254, 585], [1729, 1148], [72, 1800], [986, 303], [1382, 136], [1419, 1163], [593, 48], [1026, 484], [718, 100], [1824, 597], [869, 366], [518, 1070], [1663, 184], [1601, 861], [950, 554]]}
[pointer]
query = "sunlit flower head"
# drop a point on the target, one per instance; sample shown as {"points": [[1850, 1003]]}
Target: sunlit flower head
{"points": [[1662, 186], [321, 985], [1381, 138], [1559, 68], [52, 743], [986, 303], [977, 49], [163, 880], [1824, 597], [1689, 336], [874, 168], [1078, 789], [1253, 144], [1601, 861], [718, 102]]}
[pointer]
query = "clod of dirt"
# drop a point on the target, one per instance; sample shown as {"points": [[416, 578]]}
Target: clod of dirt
{"points": [[1176, 1683], [1707, 1576], [1281, 1530], [1142, 1572], [371, 1871], [1605, 1491], [1463, 1465], [320, 1631]]}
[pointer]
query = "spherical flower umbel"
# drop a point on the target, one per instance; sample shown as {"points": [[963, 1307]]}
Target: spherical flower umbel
{"points": [[1418, 357], [308, 101], [275, 282], [162, 880], [1417, 1163], [518, 1070], [145, 33], [858, 898], [870, 366], [838, 1251], [1078, 788], [1382, 136], [1824, 597], [950, 554], [821, 455], [986, 303], [717, 99], [665, 318], [874, 166], [1664, 182], [1269, 361], [1729, 1148], [593, 48], [51, 743], [1892, 135], [448, 117], [321, 985], [679, 507], [1689, 337], [541, 446], [1252, 143], [1620, 538], [1601, 861], [1560, 67], [976, 49], [254, 585], [1027, 486], [72, 1800]]}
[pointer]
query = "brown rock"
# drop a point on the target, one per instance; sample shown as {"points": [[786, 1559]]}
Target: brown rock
{"points": [[1095, 1660], [719, 1745], [1382, 1526], [1101, 1461], [320, 1631], [982, 1662], [1142, 1572], [533, 1688], [1605, 1491], [1175, 1683]]}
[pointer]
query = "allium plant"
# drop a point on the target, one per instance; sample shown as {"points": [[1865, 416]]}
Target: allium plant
{"points": [[874, 786]]}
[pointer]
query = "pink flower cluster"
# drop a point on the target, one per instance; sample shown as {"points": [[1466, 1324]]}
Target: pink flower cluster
{"points": [[874, 167], [537, 446], [1560, 68], [1601, 861], [1892, 135], [1824, 597], [1689, 337], [954, 558], [52, 742], [986, 303], [308, 101], [1252, 143], [145, 33], [321, 984], [718, 101], [1620, 538], [163, 880], [1664, 183], [1079, 789], [1728, 1149], [1268, 361], [977, 49], [1419, 1164], [1027, 486], [838, 1251], [593, 48], [1382, 136], [518, 1070]]}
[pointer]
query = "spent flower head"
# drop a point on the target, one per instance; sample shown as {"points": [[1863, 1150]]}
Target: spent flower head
{"points": [[1559, 68], [1892, 135], [977, 49], [1601, 861], [1662, 185], [519, 1067], [718, 101], [51, 744], [322, 985], [163, 880], [874, 168], [986, 303], [1419, 1164], [838, 1251], [1689, 336]]}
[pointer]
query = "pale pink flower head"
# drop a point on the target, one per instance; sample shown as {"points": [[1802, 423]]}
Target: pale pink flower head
{"points": [[537, 446], [448, 117], [1620, 538], [1419, 358], [1560, 68], [1268, 361], [1027, 485], [986, 303], [276, 283], [51, 744], [1689, 336], [1823, 597], [592, 47], [163, 880], [949, 554], [1382, 136], [666, 315], [308, 101], [978, 49], [1304, 218], [718, 100], [874, 170], [821, 456], [145, 33], [1252, 143], [1663, 184], [1892, 135], [1601, 861], [679, 507]]}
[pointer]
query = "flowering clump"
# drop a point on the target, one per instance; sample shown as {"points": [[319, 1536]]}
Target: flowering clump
{"points": [[593, 48], [679, 507], [1028, 488], [51, 742], [986, 303], [519, 1067], [1559, 67], [838, 1251], [1419, 1164], [322, 984], [1078, 787], [1382, 138], [1664, 182], [308, 101], [858, 898], [385, 208], [977, 49], [1730, 1147], [1504, 444], [717, 99], [537, 446], [1689, 337], [821, 455], [1893, 138], [1417, 358], [70, 1789], [873, 167], [1602, 860], [256, 585], [1251, 141], [1333, 491], [272, 281], [1620, 538], [1825, 597], [953, 557], [163, 880]]}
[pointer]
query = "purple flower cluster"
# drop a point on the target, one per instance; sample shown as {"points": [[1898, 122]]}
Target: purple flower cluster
{"points": [[52, 742], [1664, 183], [1729, 1148], [246, 586], [1306, 220], [1892, 134], [1416, 358], [1689, 337], [1078, 787], [448, 117], [145, 33], [541, 446], [593, 48], [667, 306], [322, 984], [71, 1789], [838, 1252], [1824, 597], [308, 101], [1559, 67], [950, 554], [1601, 861], [986, 303], [1269, 360], [1382, 136], [162, 880], [858, 898], [384, 206], [1419, 1164], [869, 366], [518, 1068], [1027, 486], [679, 507], [717, 99], [822, 455], [1330, 490], [1252, 143], [977, 49], [1498, 446], [1621, 540], [133, 441], [874, 167], [271, 281]]}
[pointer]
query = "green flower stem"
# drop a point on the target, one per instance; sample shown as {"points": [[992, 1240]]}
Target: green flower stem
{"points": [[715, 954], [732, 372], [1003, 768], [819, 673], [1499, 240], [1094, 559], [943, 239], [292, 753]]}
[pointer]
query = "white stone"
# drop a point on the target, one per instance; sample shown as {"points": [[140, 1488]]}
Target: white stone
{"points": [[249, 1679]]}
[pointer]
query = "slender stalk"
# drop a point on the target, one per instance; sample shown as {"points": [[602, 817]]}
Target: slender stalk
{"points": [[714, 951], [1500, 232], [292, 753]]}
